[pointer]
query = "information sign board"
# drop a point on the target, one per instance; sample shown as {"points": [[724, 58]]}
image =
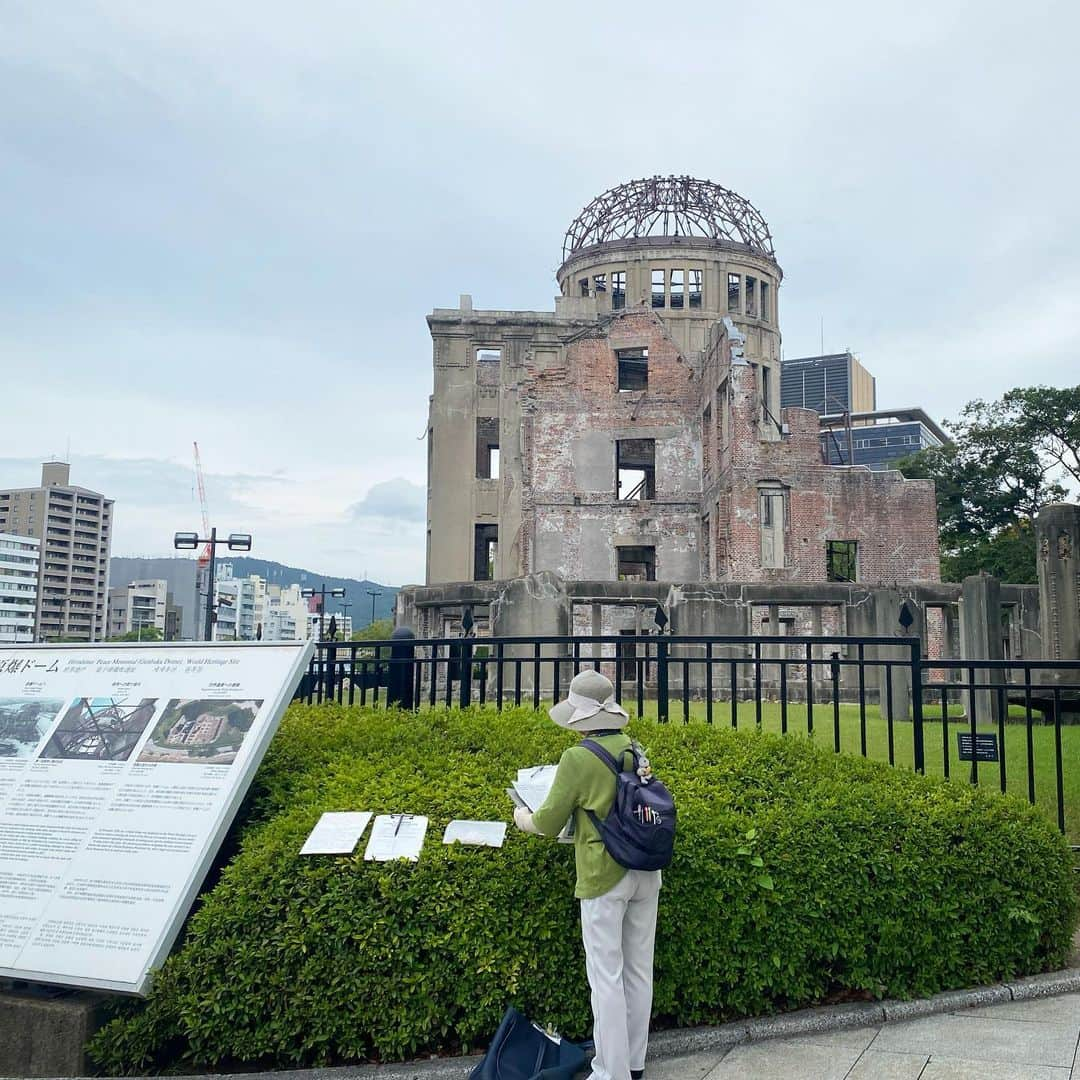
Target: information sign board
{"points": [[121, 769], [986, 746]]}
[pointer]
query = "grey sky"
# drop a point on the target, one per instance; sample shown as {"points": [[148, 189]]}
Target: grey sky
{"points": [[226, 222]]}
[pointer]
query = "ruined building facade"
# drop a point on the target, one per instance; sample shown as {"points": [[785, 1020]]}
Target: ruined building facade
{"points": [[634, 434]]}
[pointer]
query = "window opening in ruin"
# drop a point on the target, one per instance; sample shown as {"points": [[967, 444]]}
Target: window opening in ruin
{"points": [[751, 296], [841, 560], [637, 563], [677, 285], [772, 512], [485, 551], [633, 368], [658, 280], [583, 285], [487, 448], [618, 289], [695, 288], [599, 283], [766, 397], [706, 545], [635, 469], [733, 293], [488, 356], [765, 300], [722, 411]]}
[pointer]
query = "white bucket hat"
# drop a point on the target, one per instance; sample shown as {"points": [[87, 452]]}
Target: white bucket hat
{"points": [[590, 705]]}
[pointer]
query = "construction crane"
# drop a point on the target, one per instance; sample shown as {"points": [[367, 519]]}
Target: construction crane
{"points": [[204, 555]]}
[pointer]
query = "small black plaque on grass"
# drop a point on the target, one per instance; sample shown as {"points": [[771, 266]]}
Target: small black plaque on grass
{"points": [[986, 746]]}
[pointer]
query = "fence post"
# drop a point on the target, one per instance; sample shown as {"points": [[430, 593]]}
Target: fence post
{"points": [[662, 680], [400, 679], [329, 672], [917, 704], [466, 672]]}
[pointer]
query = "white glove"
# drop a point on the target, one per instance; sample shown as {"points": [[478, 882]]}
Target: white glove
{"points": [[523, 819]]}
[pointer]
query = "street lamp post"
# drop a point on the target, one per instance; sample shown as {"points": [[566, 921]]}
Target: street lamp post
{"points": [[344, 615], [322, 593], [191, 541], [373, 593]]}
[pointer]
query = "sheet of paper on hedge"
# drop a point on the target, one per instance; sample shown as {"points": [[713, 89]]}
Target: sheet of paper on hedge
{"points": [[120, 775], [336, 833], [532, 787], [396, 836], [480, 833]]}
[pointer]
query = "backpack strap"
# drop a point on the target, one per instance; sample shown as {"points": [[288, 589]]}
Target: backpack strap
{"points": [[608, 759]]}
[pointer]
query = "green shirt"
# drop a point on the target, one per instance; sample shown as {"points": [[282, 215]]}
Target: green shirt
{"points": [[583, 782]]}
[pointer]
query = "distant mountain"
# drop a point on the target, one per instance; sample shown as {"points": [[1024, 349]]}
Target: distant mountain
{"points": [[180, 574], [356, 592]]}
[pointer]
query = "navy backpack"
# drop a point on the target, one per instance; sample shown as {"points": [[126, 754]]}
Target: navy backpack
{"points": [[522, 1051], [639, 832]]}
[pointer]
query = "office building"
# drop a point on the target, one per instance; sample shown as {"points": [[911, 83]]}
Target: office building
{"points": [[878, 439], [831, 384], [74, 526], [138, 606]]}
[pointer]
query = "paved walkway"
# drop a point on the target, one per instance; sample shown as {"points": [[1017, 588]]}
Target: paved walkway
{"points": [[1020, 1040]]}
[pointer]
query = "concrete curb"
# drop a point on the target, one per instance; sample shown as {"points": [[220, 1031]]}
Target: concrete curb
{"points": [[669, 1044]]}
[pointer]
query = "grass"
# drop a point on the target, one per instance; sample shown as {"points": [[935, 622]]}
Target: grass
{"points": [[903, 750]]}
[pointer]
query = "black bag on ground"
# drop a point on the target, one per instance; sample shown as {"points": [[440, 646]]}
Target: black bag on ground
{"points": [[639, 831], [520, 1050]]}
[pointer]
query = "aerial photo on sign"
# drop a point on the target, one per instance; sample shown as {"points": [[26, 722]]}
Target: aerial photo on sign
{"points": [[200, 732], [100, 729], [23, 723]]}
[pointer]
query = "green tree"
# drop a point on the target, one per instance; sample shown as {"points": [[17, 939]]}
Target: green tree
{"points": [[379, 630], [147, 633], [1005, 464]]}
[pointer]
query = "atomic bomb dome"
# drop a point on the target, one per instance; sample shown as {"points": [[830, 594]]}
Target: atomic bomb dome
{"points": [[670, 206]]}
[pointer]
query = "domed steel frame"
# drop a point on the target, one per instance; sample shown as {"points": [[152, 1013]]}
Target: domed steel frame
{"points": [[669, 206]]}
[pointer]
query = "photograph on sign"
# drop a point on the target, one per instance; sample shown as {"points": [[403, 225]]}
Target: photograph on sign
{"points": [[121, 771], [24, 723], [200, 732], [100, 729]]}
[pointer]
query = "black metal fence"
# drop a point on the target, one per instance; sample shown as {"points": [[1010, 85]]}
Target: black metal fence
{"points": [[877, 696]]}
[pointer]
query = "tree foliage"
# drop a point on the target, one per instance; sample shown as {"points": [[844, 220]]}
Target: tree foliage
{"points": [[379, 630], [147, 633], [1007, 461]]}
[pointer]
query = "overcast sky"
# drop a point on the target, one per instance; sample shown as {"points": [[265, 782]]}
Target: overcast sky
{"points": [[225, 222]]}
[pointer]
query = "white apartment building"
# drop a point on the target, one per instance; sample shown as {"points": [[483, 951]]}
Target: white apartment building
{"points": [[344, 625], [241, 605], [137, 606], [19, 565]]}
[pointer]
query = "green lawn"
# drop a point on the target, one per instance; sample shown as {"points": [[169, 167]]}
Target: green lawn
{"points": [[877, 746]]}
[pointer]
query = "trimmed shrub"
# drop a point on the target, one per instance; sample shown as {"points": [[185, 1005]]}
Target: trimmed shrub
{"points": [[799, 876]]}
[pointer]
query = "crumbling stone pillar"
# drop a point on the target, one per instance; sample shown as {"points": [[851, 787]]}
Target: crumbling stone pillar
{"points": [[980, 639], [533, 606], [895, 680], [1057, 533]]}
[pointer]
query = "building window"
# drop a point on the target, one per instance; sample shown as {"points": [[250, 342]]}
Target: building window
{"points": [[618, 289], [707, 440], [633, 368], [841, 560], [487, 448], [583, 285], [751, 296], [637, 563], [733, 293], [658, 281], [488, 356], [485, 551], [772, 511], [599, 284], [765, 300], [678, 284], [635, 469], [695, 287]]}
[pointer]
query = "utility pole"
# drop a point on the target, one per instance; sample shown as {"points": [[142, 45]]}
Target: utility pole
{"points": [[322, 593], [191, 541], [373, 593]]}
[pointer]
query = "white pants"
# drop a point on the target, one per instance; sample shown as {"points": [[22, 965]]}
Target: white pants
{"points": [[619, 929]]}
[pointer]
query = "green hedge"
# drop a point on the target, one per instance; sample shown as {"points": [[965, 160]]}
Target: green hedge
{"points": [[798, 875]]}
